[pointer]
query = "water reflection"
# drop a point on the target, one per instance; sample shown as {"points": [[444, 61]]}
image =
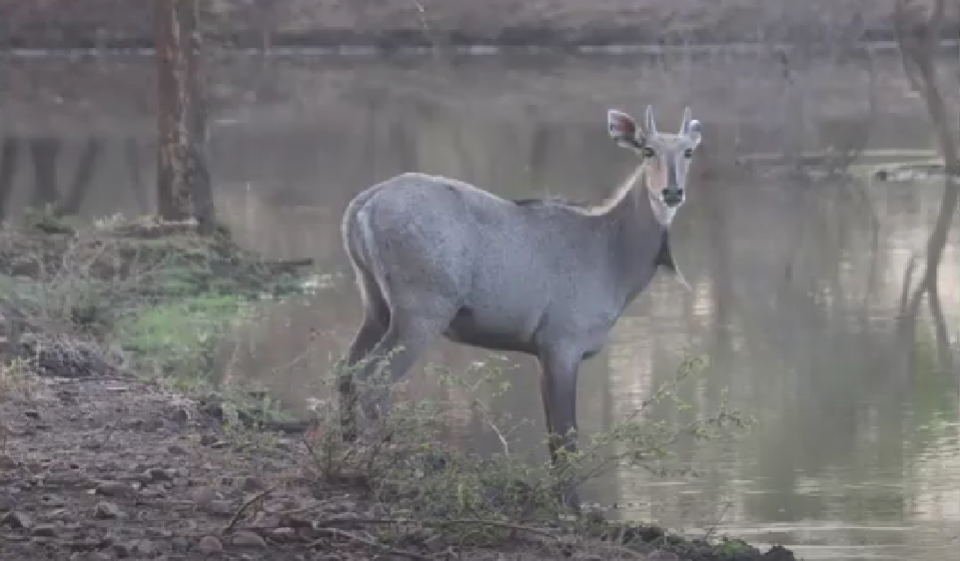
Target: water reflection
{"points": [[795, 283]]}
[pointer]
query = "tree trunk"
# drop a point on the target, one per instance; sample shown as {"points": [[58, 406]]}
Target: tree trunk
{"points": [[182, 175]]}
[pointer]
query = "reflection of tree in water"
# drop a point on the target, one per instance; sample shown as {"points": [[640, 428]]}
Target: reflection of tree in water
{"points": [[818, 378], [919, 39], [8, 167], [83, 177], [840, 389], [45, 153]]}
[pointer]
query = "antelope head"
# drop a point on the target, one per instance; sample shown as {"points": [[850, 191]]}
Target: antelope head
{"points": [[665, 157]]}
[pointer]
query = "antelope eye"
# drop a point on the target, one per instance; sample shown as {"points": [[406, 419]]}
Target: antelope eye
{"points": [[688, 153], [648, 152]]}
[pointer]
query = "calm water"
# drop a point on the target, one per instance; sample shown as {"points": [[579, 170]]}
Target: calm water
{"points": [[856, 454]]}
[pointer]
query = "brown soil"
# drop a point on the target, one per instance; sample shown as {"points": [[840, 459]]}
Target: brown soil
{"points": [[101, 469], [116, 469]]}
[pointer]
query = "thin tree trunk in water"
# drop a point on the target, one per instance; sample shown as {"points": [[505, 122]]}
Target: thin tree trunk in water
{"points": [[44, 152], [182, 176], [918, 41], [131, 155], [8, 169], [83, 178]]}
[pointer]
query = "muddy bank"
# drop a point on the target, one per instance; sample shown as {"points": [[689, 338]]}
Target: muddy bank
{"points": [[125, 294], [121, 469], [113, 445], [552, 23]]}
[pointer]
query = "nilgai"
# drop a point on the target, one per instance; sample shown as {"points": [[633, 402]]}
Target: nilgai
{"points": [[436, 256]]}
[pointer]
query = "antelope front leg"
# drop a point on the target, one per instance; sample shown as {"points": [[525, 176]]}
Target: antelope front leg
{"points": [[558, 380]]}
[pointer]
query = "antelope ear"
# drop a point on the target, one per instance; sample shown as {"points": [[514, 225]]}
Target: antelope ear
{"points": [[690, 127], [693, 131], [623, 129], [651, 122]]}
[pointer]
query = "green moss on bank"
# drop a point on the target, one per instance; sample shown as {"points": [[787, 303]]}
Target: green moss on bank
{"points": [[158, 290]]}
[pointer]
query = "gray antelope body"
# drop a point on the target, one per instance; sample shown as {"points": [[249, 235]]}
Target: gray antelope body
{"points": [[435, 256]]}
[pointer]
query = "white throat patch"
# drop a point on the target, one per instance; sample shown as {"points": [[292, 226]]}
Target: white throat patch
{"points": [[663, 213]]}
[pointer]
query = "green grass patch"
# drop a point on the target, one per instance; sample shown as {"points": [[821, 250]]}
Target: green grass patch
{"points": [[179, 338], [164, 293]]}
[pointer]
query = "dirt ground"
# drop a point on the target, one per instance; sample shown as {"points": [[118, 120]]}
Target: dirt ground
{"points": [[102, 469], [117, 470]]}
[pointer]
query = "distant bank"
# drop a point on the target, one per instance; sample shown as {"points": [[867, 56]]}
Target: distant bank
{"points": [[398, 24]]}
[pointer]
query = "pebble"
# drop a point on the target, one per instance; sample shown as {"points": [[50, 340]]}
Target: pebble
{"points": [[203, 495], [44, 531], [180, 415], [106, 510], [179, 544], [246, 538], [209, 544], [220, 508], [283, 534], [253, 484], [115, 489], [122, 550], [152, 494], [161, 533], [52, 501], [17, 520], [144, 548], [159, 474]]}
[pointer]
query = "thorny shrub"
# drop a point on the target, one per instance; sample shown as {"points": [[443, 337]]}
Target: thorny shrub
{"points": [[16, 380], [403, 461]]}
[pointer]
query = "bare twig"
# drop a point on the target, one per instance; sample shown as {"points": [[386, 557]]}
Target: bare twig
{"points": [[504, 443], [123, 378], [335, 532], [715, 525], [245, 506], [332, 522]]}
